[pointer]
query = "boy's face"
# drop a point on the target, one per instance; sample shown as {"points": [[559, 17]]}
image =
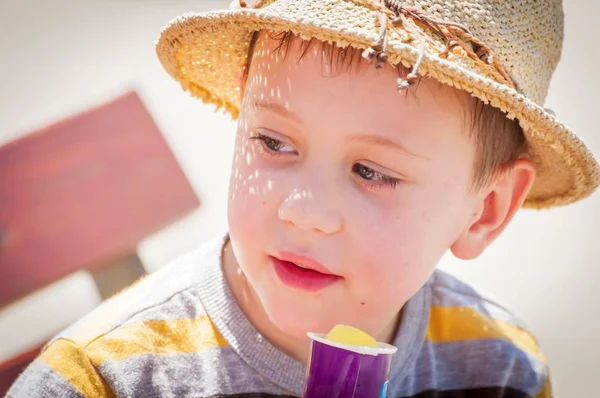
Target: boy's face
{"points": [[338, 167]]}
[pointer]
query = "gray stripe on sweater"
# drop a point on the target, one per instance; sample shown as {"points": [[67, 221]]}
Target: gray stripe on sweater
{"points": [[211, 372], [41, 381]]}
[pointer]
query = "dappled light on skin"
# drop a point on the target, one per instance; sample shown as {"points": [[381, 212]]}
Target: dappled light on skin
{"points": [[246, 151], [299, 184], [253, 184], [248, 184], [306, 211], [301, 195]]}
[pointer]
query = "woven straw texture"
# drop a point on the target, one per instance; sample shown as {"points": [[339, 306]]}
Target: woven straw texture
{"points": [[205, 53]]}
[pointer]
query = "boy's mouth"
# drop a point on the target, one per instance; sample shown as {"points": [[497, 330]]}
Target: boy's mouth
{"points": [[303, 273]]}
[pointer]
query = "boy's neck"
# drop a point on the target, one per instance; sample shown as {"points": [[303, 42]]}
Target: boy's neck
{"points": [[253, 309]]}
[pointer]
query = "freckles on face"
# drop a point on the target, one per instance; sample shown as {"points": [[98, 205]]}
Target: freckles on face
{"points": [[367, 181]]}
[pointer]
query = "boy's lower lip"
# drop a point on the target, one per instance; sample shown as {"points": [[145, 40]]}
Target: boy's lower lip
{"points": [[301, 278]]}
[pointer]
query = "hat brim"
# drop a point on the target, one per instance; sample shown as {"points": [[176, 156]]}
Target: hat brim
{"points": [[206, 52]]}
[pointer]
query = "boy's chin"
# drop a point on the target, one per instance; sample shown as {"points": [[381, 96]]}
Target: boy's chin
{"points": [[297, 322]]}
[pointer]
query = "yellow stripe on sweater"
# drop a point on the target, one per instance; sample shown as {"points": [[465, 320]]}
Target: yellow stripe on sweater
{"points": [[71, 362], [546, 391], [156, 337], [453, 324]]}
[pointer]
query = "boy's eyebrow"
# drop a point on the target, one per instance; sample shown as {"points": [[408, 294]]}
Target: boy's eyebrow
{"points": [[277, 108], [383, 141]]}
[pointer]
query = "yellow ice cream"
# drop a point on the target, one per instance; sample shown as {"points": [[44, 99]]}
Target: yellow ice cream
{"points": [[350, 336]]}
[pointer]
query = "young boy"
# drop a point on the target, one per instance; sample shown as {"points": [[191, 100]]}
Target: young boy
{"points": [[373, 136]]}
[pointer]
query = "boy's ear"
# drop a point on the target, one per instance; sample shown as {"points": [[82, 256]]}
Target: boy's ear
{"points": [[495, 210]]}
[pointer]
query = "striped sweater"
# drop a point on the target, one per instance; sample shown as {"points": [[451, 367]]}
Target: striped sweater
{"points": [[180, 333]]}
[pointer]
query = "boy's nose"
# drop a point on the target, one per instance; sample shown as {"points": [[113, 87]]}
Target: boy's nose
{"points": [[305, 211]]}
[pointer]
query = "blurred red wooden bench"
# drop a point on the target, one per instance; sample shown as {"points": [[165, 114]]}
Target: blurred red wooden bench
{"points": [[81, 194]]}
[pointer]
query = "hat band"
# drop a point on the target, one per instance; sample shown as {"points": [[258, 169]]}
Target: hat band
{"points": [[457, 37]]}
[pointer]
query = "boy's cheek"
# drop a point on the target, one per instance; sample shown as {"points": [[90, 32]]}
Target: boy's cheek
{"points": [[253, 185], [252, 209], [384, 290], [395, 261]]}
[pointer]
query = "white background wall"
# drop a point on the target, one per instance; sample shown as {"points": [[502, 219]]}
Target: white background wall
{"points": [[58, 57]]}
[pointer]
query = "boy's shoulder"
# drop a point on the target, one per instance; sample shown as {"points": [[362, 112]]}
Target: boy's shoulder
{"points": [[472, 341], [103, 353], [473, 315], [166, 295]]}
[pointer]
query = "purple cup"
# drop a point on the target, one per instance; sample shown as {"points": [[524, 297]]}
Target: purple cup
{"points": [[338, 370]]}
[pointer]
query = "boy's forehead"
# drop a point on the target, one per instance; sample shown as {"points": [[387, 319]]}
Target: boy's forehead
{"points": [[280, 70], [307, 85], [329, 60]]}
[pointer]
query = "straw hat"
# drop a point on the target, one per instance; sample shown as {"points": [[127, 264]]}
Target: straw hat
{"points": [[503, 52]]}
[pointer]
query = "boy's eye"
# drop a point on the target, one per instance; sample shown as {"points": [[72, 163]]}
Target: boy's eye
{"points": [[372, 176], [273, 144]]}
